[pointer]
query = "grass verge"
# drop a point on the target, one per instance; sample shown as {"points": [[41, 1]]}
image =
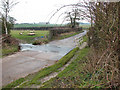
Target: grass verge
{"points": [[75, 75], [71, 76], [9, 50], [34, 78], [66, 35], [85, 38], [69, 35]]}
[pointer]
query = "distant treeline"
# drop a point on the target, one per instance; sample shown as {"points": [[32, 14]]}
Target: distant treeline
{"points": [[28, 26], [32, 28], [45, 28], [36, 25]]}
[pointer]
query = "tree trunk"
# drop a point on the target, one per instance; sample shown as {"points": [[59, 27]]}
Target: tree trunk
{"points": [[5, 25]]}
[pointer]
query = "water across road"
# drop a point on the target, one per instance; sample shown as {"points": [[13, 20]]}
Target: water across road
{"points": [[47, 48], [34, 57]]}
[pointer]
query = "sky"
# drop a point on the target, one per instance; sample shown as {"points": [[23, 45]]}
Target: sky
{"points": [[35, 11]]}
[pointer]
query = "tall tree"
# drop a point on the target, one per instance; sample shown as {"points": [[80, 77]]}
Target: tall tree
{"points": [[6, 7], [73, 16]]}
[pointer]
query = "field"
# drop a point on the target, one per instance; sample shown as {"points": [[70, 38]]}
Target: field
{"points": [[26, 37], [85, 26], [30, 39]]}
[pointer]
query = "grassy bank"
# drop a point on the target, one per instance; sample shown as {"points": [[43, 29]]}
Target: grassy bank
{"points": [[25, 37], [9, 50], [69, 35], [76, 75], [35, 78], [72, 76], [9, 45], [85, 38]]}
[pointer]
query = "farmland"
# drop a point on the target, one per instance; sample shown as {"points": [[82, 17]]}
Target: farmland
{"points": [[26, 37], [85, 26]]}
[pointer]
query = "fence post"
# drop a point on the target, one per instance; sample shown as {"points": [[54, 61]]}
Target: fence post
{"points": [[78, 41]]}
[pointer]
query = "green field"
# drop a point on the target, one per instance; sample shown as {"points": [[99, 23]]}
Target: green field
{"points": [[30, 39], [26, 37], [85, 26]]}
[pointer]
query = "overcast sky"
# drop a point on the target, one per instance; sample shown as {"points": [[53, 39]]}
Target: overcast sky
{"points": [[30, 11]]}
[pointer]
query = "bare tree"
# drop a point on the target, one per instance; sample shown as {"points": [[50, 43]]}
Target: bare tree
{"points": [[78, 10], [73, 16], [6, 7]]}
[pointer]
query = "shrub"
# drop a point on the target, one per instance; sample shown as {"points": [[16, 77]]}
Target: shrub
{"points": [[41, 41]]}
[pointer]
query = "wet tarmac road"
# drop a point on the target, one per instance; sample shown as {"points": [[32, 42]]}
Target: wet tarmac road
{"points": [[32, 58]]}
